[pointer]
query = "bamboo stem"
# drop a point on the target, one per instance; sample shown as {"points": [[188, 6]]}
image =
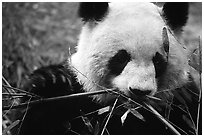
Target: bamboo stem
{"points": [[163, 120], [45, 100]]}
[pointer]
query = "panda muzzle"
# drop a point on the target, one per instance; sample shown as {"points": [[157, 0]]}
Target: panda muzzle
{"points": [[138, 92]]}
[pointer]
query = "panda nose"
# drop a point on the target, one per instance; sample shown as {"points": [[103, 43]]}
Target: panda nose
{"points": [[138, 92]]}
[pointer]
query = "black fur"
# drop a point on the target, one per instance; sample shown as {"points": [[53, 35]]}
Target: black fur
{"points": [[53, 117], [117, 63], [160, 64], [176, 14], [54, 80], [58, 117], [90, 11]]}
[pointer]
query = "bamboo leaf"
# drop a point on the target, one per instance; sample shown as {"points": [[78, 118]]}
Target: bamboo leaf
{"points": [[137, 114], [124, 116], [97, 128], [11, 126], [103, 110], [87, 122]]}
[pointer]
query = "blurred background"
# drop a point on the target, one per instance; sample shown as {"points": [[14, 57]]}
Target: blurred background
{"points": [[35, 35], [39, 34]]}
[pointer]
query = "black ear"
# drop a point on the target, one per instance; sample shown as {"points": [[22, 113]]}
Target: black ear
{"points": [[92, 10], [176, 14]]}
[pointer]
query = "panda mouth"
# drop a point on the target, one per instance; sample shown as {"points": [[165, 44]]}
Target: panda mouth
{"points": [[139, 93], [133, 100]]}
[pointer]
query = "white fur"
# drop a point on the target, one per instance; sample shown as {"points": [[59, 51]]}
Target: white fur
{"points": [[136, 76], [137, 28]]}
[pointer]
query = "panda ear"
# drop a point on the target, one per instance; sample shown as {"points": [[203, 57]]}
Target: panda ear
{"points": [[176, 14], [92, 10]]}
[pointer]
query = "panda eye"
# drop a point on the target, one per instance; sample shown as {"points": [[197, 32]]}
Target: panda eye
{"points": [[160, 64], [118, 62]]}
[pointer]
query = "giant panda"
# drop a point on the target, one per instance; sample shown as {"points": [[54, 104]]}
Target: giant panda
{"points": [[135, 52]]}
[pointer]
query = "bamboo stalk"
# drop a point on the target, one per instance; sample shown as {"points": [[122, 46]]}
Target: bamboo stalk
{"points": [[162, 119], [11, 94], [46, 100], [109, 116], [20, 90], [199, 99]]}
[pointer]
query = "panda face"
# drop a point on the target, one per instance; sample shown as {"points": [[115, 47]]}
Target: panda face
{"points": [[123, 46]]}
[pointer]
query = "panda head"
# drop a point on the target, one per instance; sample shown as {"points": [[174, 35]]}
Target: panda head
{"points": [[131, 47]]}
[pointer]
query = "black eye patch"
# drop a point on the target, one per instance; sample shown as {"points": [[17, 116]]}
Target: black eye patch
{"points": [[160, 64], [118, 62]]}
